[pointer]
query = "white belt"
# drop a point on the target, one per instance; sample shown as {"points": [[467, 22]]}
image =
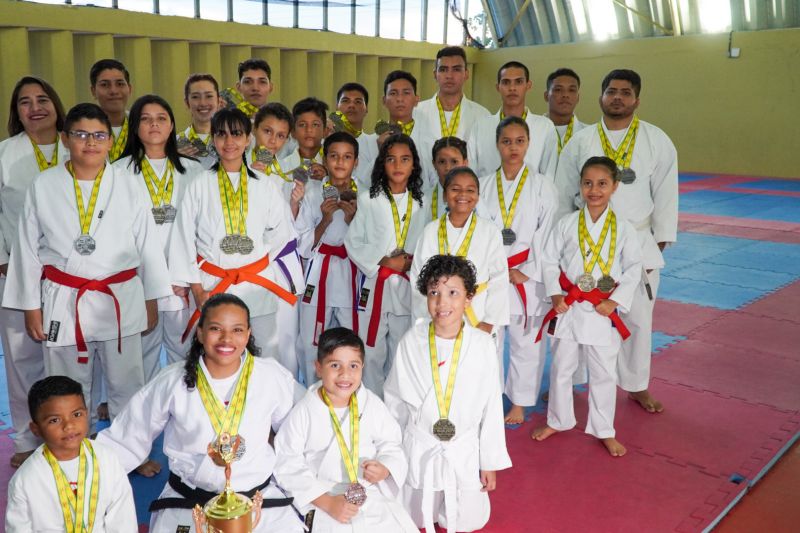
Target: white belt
{"points": [[647, 223]]}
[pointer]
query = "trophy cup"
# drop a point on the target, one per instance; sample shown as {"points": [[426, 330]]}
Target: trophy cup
{"points": [[228, 512]]}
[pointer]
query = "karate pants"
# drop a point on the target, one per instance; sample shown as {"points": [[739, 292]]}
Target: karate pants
{"points": [[287, 319], [602, 361], [473, 508], [123, 372], [334, 317], [378, 359], [526, 360], [167, 333], [24, 363], [633, 367]]}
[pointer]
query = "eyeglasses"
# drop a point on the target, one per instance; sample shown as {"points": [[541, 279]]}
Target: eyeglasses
{"points": [[83, 136], [224, 134]]}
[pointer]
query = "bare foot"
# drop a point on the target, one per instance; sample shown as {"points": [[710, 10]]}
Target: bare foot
{"points": [[18, 458], [614, 447], [648, 403], [148, 468], [102, 411], [542, 433], [516, 415]]}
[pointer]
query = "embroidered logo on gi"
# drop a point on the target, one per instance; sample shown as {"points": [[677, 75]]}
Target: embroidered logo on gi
{"points": [[52, 335]]}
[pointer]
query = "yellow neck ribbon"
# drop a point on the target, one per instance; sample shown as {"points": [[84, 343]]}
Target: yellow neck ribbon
{"points": [[594, 255], [348, 126], [524, 114], [449, 130], [444, 246], [160, 190], [225, 419], [508, 215], [401, 234], [624, 153], [73, 504], [41, 160], [193, 135], [350, 456], [443, 400], [85, 214], [567, 134], [235, 216], [353, 185], [119, 142]]}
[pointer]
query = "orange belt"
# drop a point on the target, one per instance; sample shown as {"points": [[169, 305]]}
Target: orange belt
{"points": [[82, 284], [384, 273], [333, 251], [233, 276], [514, 261]]}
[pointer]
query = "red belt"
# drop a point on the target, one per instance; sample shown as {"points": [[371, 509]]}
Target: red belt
{"points": [[384, 273], [82, 284], [333, 251], [594, 297], [514, 261], [233, 276]]}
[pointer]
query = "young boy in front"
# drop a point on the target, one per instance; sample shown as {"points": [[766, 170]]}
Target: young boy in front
{"points": [[69, 483], [593, 256], [310, 117], [442, 389], [339, 450]]}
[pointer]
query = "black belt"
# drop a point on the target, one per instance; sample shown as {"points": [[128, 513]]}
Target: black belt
{"points": [[191, 497]]}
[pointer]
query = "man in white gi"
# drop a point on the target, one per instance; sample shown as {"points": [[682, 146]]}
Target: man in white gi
{"points": [[562, 96], [352, 100], [111, 87]]}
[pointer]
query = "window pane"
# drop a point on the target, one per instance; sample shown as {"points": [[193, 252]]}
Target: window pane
{"points": [[181, 8], [455, 31], [339, 16], [604, 19], [213, 10], [128, 5], [390, 19], [247, 11], [365, 17], [281, 14], [715, 15], [310, 16], [435, 21], [413, 18]]}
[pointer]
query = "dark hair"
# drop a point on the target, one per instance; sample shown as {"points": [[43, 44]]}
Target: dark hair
{"points": [[194, 78], [508, 121], [353, 86], [449, 142], [340, 137], [334, 338], [380, 181], [399, 75], [14, 123], [87, 111], [274, 109], [562, 72], [107, 64], [602, 161], [447, 266], [134, 146], [514, 64], [451, 51], [311, 105], [232, 119], [455, 171], [196, 350], [625, 75], [254, 64], [51, 386]]}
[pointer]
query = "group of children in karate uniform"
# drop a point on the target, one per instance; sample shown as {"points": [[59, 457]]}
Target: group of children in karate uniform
{"points": [[224, 244]]}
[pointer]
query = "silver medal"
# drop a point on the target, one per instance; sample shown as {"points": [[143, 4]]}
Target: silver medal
{"points": [[228, 244], [201, 146], [85, 245], [170, 212], [396, 252], [586, 282], [302, 173], [264, 156], [244, 244], [355, 494], [509, 237], [627, 175], [382, 127], [444, 430], [336, 120], [158, 215], [330, 192], [183, 143], [606, 283]]}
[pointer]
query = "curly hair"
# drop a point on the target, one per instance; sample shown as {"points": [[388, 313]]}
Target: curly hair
{"points": [[447, 266], [380, 181]]}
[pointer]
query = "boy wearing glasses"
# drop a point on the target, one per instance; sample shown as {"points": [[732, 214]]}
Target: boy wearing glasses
{"points": [[84, 261]]}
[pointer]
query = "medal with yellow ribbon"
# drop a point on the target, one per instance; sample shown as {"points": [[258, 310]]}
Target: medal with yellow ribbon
{"points": [[444, 429], [448, 130], [624, 153], [342, 123], [524, 114], [406, 127], [160, 192], [567, 134], [41, 160], [234, 212], [330, 191], [194, 140], [85, 244], [400, 234], [509, 237], [586, 281], [73, 503], [355, 494], [119, 142], [435, 203], [275, 167], [444, 246]]}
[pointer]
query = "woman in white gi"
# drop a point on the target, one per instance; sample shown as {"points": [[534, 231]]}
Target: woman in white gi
{"points": [[597, 284], [386, 227], [222, 391], [201, 96], [232, 225], [461, 231], [33, 146], [521, 204], [442, 392]]}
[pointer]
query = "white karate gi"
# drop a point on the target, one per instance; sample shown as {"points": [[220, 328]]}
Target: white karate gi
{"points": [[199, 229], [542, 154], [126, 238], [173, 311], [33, 503], [208, 160], [293, 160], [441, 205], [532, 221], [488, 256], [371, 236], [577, 126], [581, 329], [24, 362], [443, 482], [367, 153], [310, 462], [341, 298], [165, 404], [650, 203]]}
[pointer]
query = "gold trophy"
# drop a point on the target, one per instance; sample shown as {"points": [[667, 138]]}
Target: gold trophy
{"points": [[228, 512]]}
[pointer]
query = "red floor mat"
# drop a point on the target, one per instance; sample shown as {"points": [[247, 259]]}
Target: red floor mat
{"points": [[677, 318]]}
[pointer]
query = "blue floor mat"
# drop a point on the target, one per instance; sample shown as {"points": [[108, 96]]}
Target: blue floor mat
{"points": [[770, 185], [687, 178], [705, 293], [734, 277], [707, 241], [753, 206], [768, 262], [662, 340]]}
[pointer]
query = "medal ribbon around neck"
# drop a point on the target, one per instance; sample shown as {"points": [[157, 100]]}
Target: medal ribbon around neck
{"points": [[350, 456], [193, 135], [70, 501], [275, 167], [508, 215], [226, 419], [568, 134], [435, 203], [444, 399], [584, 239], [444, 246], [353, 185], [401, 234], [406, 127], [85, 215], [119, 142], [235, 217], [41, 160], [524, 114], [348, 126], [160, 190], [448, 130], [624, 153]]}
